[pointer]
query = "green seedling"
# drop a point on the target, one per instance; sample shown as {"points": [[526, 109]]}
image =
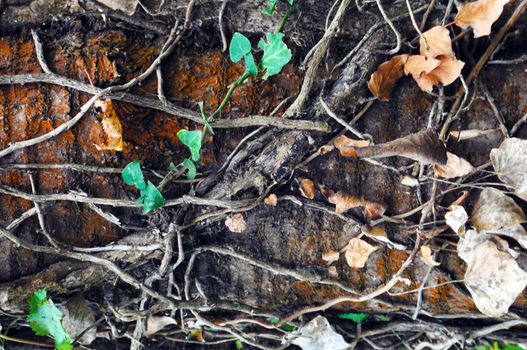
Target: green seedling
{"points": [[151, 198]]}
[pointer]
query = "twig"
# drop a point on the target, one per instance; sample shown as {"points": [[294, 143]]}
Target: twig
{"points": [[494, 328], [392, 27], [416, 27], [497, 113], [220, 24], [160, 91], [519, 60], [40, 52], [518, 124], [427, 14], [342, 121], [260, 120], [25, 215], [40, 216]]}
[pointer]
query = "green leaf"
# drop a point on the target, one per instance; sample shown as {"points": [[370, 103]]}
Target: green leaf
{"points": [[290, 2], [357, 318], [44, 319], [250, 65], [191, 139], [512, 347], [191, 169], [276, 54], [172, 167], [269, 10], [151, 198], [239, 47], [205, 119], [133, 175], [286, 327], [238, 344], [382, 318]]}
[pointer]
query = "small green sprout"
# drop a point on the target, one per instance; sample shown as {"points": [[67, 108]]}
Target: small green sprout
{"points": [[151, 198]]}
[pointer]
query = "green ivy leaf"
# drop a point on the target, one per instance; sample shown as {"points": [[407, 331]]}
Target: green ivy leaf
{"points": [[191, 139], [276, 54], [191, 169], [269, 10], [151, 198], [133, 175], [172, 167], [357, 318], [512, 347], [239, 47], [44, 319], [238, 344], [250, 66]]}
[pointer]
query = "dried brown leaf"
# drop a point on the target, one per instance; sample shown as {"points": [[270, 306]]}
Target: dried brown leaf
{"points": [[236, 223], [111, 125], [326, 149], [372, 209], [455, 167], [461, 199], [445, 72], [384, 78], [307, 188], [426, 256], [330, 256], [417, 65], [480, 15], [439, 43], [271, 200], [423, 146], [510, 162], [358, 252], [347, 146], [344, 201]]}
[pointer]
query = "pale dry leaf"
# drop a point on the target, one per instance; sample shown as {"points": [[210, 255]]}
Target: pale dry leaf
{"points": [[439, 43], [318, 334], [271, 200], [77, 317], [156, 323], [493, 276], [344, 201], [448, 70], [461, 199], [384, 78], [347, 146], [463, 135], [409, 181], [378, 233], [307, 188], [326, 149], [423, 146], [330, 256], [426, 256], [416, 65], [332, 271], [495, 212], [456, 218], [510, 162], [357, 252], [372, 209], [127, 6], [455, 167], [236, 223], [111, 125], [480, 15]]}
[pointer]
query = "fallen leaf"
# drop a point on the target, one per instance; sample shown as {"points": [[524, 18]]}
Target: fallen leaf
{"points": [[271, 200], [510, 162], [426, 256], [439, 43], [156, 323], [470, 134], [318, 334], [384, 78], [357, 252], [455, 167], [236, 223], [307, 188], [480, 15], [372, 209], [347, 146], [493, 277], [495, 212], [378, 233], [456, 218], [343, 201], [417, 65], [446, 72], [409, 181], [77, 317], [111, 125], [127, 6], [461, 199], [326, 149], [423, 146], [330, 256], [332, 271]]}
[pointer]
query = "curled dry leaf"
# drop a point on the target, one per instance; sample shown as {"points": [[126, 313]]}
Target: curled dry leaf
{"points": [[447, 70], [495, 212], [423, 146], [455, 167], [271, 200], [384, 78], [318, 334], [307, 188], [347, 146], [510, 162], [345, 201], [330, 256], [456, 218], [111, 125], [417, 65], [409, 181], [439, 43], [156, 323], [493, 276], [480, 15], [236, 223], [426, 256], [461, 199], [326, 149], [357, 252]]}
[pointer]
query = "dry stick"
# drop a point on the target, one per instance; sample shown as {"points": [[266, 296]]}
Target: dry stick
{"points": [[25, 215], [520, 9], [341, 121], [416, 27], [518, 124], [497, 113], [160, 91], [392, 27], [314, 63], [427, 14], [220, 24], [40, 216], [494, 328]]}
